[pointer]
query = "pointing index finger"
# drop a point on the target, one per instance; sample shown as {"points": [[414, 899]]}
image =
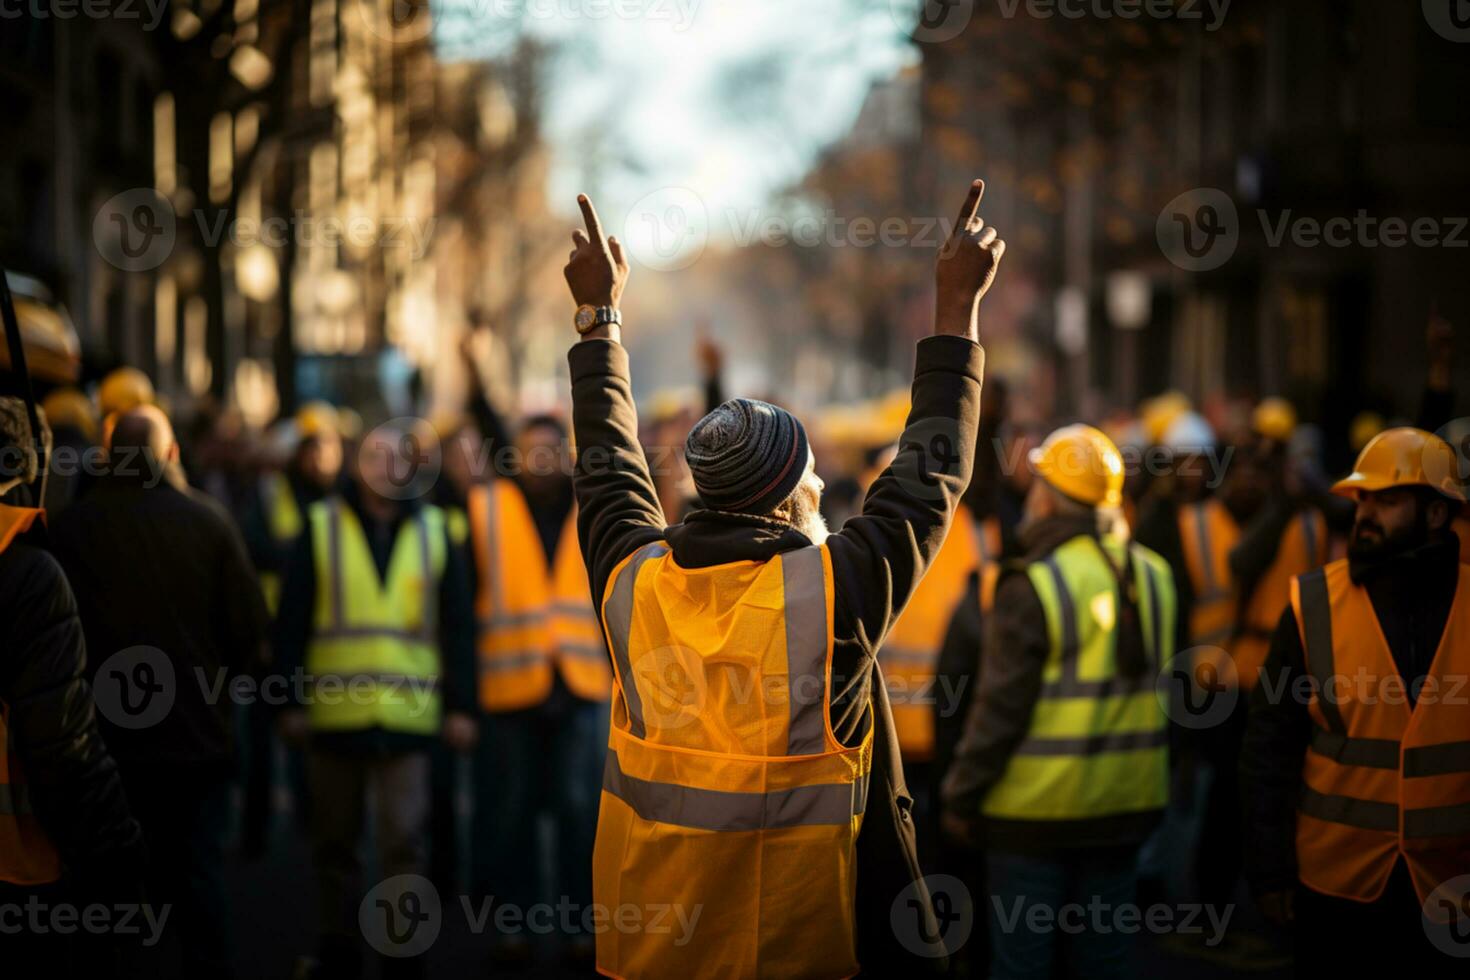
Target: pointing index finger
{"points": [[972, 204], [589, 214]]}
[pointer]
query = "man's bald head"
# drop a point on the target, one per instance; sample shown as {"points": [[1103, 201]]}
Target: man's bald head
{"points": [[143, 431]]}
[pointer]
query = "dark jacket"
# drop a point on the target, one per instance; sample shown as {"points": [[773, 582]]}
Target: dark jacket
{"points": [[1411, 595], [73, 780], [1013, 655], [877, 560], [153, 566], [296, 621]]}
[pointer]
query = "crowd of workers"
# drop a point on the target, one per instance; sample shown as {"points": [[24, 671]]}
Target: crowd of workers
{"points": [[1061, 669]]}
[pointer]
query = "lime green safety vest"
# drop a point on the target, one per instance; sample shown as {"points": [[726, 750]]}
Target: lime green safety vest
{"points": [[374, 651], [283, 518], [1097, 743]]}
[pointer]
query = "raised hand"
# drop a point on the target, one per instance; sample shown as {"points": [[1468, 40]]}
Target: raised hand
{"points": [[967, 265], [596, 269]]}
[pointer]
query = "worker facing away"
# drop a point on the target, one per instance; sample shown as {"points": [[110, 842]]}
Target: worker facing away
{"points": [[1358, 791], [752, 767], [1063, 766]]}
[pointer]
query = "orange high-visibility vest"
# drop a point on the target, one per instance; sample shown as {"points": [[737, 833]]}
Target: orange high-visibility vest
{"points": [[1208, 533], [1382, 779], [725, 789], [910, 653], [531, 617], [27, 856]]}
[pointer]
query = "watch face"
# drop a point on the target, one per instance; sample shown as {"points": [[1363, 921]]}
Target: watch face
{"points": [[586, 317]]}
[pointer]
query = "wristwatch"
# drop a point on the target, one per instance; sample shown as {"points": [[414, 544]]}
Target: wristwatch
{"points": [[589, 317]]}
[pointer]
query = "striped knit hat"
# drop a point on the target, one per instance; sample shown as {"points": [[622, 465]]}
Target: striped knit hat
{"points": [[746, 456]]}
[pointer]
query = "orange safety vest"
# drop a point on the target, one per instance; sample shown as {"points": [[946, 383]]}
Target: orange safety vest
{"points": [[27, 856], [910, 653], [1382, 779], [726, 792], [531, 617], [1208, 533]]}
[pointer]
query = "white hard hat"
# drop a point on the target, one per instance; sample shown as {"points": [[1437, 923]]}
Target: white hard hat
{"points": [[1189, 433]]}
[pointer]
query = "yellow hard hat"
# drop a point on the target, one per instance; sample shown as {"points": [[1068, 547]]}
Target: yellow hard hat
{"points": [[1158, 413], [316, 418], [68, 406], [1082, 463], [1274, 418], [1365, 426], [1404, 457], [124, 390]]}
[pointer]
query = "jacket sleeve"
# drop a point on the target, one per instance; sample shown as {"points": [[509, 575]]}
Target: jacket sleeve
{"points": [[457, 630], [1275, 745], [880, 555], [1011, 663], [293, 618], [73, 779], [617, 504]]}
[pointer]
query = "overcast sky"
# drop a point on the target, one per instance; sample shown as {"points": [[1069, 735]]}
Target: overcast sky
{"points": [[692, 109]]}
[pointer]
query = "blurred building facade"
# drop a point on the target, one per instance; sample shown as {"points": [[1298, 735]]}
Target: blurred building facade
{"points": [[1087, 129], [334, 196]]}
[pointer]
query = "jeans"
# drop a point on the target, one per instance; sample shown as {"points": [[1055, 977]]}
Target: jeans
{"points": [[1042, 922], [541, 762]]}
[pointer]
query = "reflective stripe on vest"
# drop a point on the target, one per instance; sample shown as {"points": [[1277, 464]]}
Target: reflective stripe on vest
{"points": [[1097, 741], [27, 855], [910, 652], [532, 619], [373, 656], [1381, 779], [722, 766], [1207, 533]]}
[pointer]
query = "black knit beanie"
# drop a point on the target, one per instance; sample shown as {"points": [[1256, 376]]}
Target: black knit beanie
{"points": [[746, 456]]}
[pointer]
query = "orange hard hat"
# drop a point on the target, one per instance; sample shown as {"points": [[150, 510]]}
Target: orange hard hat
{"points": [[124, 390], [1083, 463], [1404, 457]]}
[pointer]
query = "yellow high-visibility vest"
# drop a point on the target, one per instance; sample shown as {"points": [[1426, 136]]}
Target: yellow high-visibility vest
{"points": [[27, 856], [374, 650], [1097, 744], [284, 522], [1382, 779], [532, 620], [725, 789]]}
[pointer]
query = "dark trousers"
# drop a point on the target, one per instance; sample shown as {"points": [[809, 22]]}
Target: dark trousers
{"points": [[1389, 937], [185, 816], [1057, 882], [544, 761], [344, 786]]}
